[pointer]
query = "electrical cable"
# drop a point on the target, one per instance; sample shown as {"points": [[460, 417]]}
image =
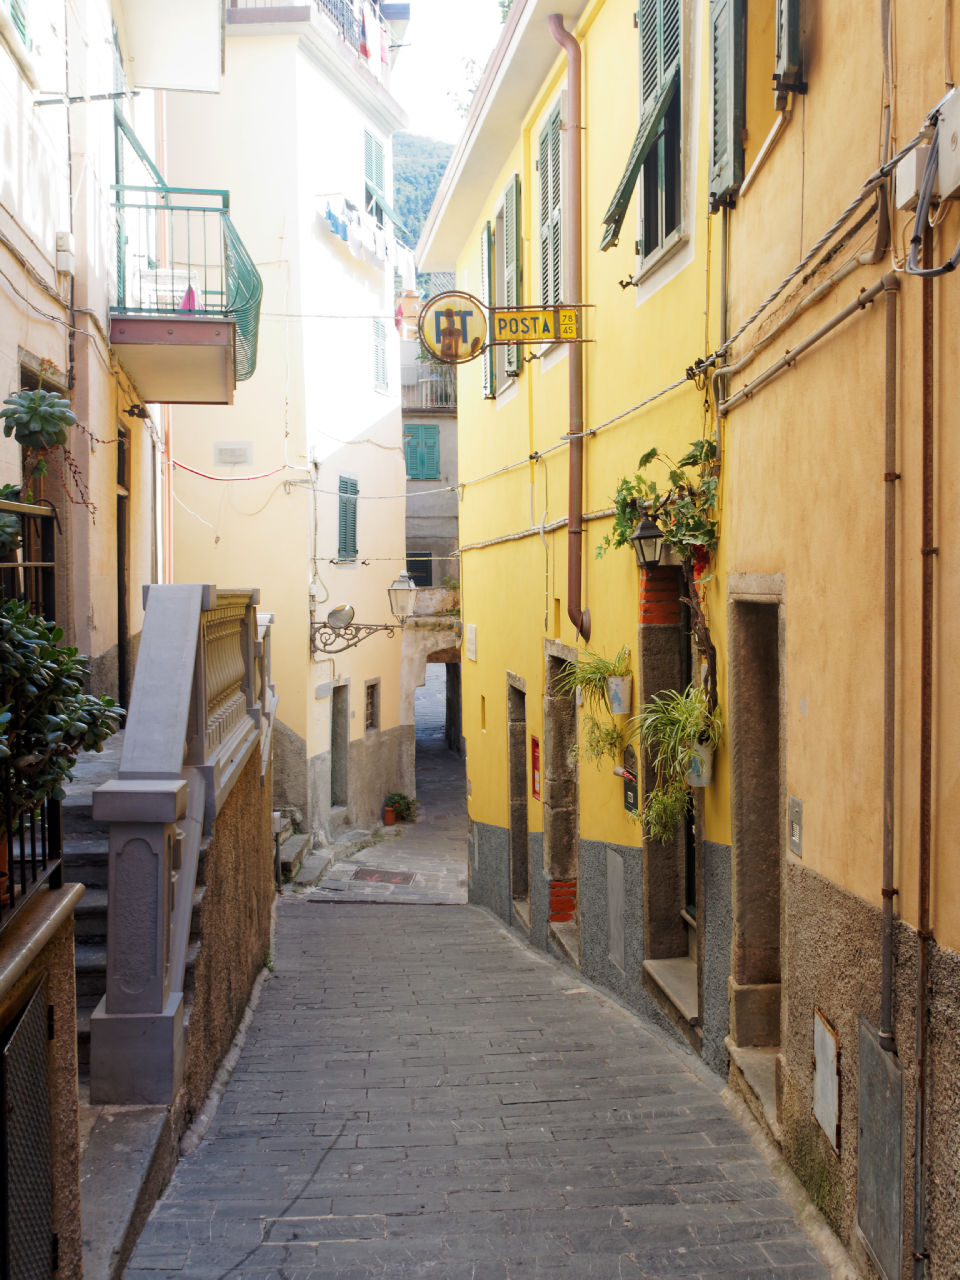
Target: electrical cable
{"points": [[263, 475], [924, 199]]}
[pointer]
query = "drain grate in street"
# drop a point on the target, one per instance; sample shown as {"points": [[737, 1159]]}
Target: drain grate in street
{"points": [[383, 877]]}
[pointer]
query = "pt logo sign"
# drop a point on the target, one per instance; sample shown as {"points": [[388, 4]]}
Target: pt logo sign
{"points": [[453, 327]]}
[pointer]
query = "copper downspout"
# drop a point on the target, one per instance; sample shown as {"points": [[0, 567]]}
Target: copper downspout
{"points": [[927, 551], [573, 218], [891, 288]]}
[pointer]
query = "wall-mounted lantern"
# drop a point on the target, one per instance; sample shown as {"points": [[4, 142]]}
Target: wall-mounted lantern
{"points": [[340, 632]]}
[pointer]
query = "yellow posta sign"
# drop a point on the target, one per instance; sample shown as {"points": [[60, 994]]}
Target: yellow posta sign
{"points": [[531, 324], [453, 327]]}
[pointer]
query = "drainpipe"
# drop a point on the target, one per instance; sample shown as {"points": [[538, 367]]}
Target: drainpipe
{"points": [[924, 935], [891, 287], [573, 216]]}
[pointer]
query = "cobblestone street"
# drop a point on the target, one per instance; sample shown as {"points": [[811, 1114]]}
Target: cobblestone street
{"points": [[420, 1095]]}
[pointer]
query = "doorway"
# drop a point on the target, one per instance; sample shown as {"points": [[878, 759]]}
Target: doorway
{"points": [[757, 785], [561, 802], [339, 745], [517, 784]]}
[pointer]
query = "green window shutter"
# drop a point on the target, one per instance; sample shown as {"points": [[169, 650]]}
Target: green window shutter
{"points": [[551, 263], [786, 68], [411, 451], [659, 178], [647, 135], [347, 514], [18, 16], [486, 277], [728, 46], [373, 160], [430, 451], [512, 263], [379, 355]]}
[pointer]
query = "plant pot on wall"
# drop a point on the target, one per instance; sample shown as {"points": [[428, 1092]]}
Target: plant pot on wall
{"points": [[620, 694], [700, 772]]}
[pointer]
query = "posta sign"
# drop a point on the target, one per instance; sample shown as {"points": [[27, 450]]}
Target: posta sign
{"points": [[453, 327], [533, 324]]}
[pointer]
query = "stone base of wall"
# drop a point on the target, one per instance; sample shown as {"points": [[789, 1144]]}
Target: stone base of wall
{"points": [[237, 915], [831, 962], [45, 926]]}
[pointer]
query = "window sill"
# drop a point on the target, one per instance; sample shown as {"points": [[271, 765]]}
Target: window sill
{"points": [[676, 241], [552, 355], [677, 979], [508, 393]]}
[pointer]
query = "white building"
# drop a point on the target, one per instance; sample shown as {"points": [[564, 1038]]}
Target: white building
{"points": [[299, 485]]}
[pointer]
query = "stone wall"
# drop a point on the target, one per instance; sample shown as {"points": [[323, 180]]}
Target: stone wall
{"points": [[45, 927], [236, 917]]}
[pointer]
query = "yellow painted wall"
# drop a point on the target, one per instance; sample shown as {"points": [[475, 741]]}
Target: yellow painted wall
{"points": [[818, 429], [641, 342]]}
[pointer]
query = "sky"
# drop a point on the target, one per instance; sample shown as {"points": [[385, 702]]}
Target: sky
{"points": [[442, 36]]}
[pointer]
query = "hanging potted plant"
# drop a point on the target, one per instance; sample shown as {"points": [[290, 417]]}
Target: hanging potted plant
{"points": [[46, 719], [606, 685], [679, 731], [39, 420], [685, 513]]}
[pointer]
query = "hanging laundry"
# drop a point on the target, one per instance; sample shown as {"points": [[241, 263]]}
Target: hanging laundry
{"points": [[364, 44], [189, 300]]}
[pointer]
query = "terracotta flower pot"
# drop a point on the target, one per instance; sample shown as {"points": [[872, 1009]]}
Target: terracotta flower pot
{"points": [[389, 817]]}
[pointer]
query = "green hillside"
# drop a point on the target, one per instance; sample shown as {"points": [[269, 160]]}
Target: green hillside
{"points": [[418, 165]]}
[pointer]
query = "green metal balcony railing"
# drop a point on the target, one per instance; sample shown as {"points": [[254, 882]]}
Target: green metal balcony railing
{"points": [[178, 253]]}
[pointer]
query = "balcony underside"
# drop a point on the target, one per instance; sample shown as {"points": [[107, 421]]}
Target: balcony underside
{"points": [[177, 359]]}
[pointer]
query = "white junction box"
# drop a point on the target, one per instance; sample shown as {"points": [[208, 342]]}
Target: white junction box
{"points": [[909, 175], [949, 146]]}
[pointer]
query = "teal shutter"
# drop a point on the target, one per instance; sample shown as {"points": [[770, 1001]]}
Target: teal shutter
{"points": [[430, 451], [660, 181], [486, 277], [648, 133], [551, 264], [512, 263], [786, 68], [411, 451], [18, 16], [728, 48], [421, 448], [347, 515]]}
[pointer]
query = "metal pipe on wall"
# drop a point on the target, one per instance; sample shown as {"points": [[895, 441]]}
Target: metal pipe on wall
{"points": [[891, 289], [573, 240], [924, 933]]}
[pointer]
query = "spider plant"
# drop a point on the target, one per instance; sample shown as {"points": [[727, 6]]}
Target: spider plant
{"points": [[672, 728]]}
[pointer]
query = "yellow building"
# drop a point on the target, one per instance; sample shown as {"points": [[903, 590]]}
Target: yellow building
{"points": [[538, 208], [745, 261]]}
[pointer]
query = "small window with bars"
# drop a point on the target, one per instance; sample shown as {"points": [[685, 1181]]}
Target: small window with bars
{"points": [[347, 534], [421, 449], [420, 568], [371, 705]]}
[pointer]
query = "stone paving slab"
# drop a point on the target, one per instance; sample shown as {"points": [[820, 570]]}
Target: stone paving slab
{"points": [[420, 1095]]}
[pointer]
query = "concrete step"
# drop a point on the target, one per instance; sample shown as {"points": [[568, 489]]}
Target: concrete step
{"points": [[293, 850]]}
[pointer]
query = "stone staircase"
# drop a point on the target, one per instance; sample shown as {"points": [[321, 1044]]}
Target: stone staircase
{"points": [[86, 861]]}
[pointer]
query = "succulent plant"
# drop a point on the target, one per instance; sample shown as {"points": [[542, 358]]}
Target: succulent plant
{"points": [[37, 419]]}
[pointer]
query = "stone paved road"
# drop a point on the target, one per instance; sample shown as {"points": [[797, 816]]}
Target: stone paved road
{"points": [[422, 1096]]}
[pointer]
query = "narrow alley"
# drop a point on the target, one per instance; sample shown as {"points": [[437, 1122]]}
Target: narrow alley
{"points": [[420, 1094]]}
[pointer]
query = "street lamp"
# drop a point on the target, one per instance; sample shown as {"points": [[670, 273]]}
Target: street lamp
{"points": [[647, 540], [340, 632]]}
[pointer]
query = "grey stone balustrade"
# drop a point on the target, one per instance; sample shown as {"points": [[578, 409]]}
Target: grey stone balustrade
{"points": [[201, 704]]}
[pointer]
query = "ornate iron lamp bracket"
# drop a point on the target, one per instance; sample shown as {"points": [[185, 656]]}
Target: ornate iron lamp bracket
{"points": [[327, 639]]}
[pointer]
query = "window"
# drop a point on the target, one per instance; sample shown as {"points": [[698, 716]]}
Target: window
{"points": [[421, 449], [380, 355], [660, 183], [548, 164], [374, 199], [420, 568], [347, 519], [371, 705]]}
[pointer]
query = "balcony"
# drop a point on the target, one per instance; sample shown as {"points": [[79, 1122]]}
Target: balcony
{"points": [[188, 295], [426, 386]]}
